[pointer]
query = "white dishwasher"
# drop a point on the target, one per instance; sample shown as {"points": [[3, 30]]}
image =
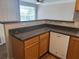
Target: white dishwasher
{"points": [[59, 44]]}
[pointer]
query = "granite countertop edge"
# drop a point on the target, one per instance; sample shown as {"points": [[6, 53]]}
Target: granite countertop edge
{"points": [[37, 32]]}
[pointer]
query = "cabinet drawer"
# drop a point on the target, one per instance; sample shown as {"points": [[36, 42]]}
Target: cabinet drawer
{"points": [[31, 41], [45, 35]]}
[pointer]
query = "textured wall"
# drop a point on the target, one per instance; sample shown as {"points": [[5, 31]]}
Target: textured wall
{"points": [[9, 10], [59, 11]]}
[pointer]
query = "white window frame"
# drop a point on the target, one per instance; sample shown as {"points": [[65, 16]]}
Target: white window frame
{"points": [[30, 5]]}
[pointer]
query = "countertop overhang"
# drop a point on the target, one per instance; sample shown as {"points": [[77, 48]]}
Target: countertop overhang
{"points": [[29, 32]]}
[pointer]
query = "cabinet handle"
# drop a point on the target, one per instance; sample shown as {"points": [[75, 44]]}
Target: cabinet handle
{"points": [[58, 36]]}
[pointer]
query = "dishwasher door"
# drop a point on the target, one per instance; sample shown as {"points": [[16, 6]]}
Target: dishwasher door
{"points": [[59, 44]]}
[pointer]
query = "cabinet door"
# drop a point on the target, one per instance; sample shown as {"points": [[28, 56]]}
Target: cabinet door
{"points": [[44, 39], [17, 47], [77, 5], [31, 51], [73, 50], [59, 44]]}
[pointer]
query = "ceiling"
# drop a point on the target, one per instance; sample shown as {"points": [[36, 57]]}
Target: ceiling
{"points": [[48, 1]]}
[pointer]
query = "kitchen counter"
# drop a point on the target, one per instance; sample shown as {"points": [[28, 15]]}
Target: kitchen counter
{"points": [[9, 22], [26, 35], [28, 32]]}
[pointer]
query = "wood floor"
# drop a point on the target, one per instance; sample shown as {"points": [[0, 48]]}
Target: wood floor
{"points": [[48, 56]]}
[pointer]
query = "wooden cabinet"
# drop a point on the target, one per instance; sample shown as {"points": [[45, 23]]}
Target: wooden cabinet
{"points": [[25, 49], [44, 42], [30, 48], [77, 5], [36, 46], [59, 44], [31, 51], [73, 50], [17, 48]]}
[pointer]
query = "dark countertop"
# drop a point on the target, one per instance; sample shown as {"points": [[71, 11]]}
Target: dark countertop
{"points": [[39, 29], [27, 35], [10, 22]]}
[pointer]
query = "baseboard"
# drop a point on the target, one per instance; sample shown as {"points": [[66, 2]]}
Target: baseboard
{"points": [[9, 58], [43, 55], [54, 55]]}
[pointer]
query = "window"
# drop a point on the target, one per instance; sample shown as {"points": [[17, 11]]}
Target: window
{"points": [[27, 13]]}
